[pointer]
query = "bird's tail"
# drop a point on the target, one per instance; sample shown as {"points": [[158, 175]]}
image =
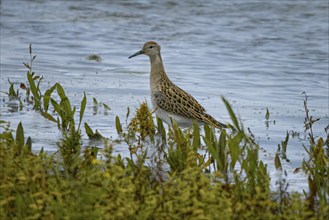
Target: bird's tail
{"points": [[213, 122]]}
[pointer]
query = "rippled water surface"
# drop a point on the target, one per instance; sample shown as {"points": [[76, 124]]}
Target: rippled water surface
{"points": [[257, 54]]}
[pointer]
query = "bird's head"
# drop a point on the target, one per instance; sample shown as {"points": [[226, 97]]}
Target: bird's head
{"points": [[150, 48]]}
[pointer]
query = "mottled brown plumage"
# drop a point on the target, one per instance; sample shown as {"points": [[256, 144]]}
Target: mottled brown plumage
{"points": [[170, 101]]}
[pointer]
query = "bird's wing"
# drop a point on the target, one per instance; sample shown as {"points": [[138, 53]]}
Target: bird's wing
{"points": [[175, 100]]}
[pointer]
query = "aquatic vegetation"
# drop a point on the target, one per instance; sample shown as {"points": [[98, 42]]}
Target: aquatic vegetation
{"points": [[91, 134], [97, 105], [211, 175], [267, 115], [282, 148], [12, 94], [142, 123], [317, 165], [94, 57]]}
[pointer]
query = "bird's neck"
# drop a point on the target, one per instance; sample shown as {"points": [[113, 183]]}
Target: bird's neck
{"points": [[157, 70]]}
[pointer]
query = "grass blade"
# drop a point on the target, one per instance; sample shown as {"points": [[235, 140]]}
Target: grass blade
{"points": [[231, 113], [196, 136], [34, 91], [106, 107], [82, 108], [29, 144], [277, 162], [118, 125], [89, 131], [46, 98], [20, 136], [48, 116]]}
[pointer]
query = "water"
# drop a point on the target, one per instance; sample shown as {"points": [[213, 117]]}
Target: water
{"points": [[256, 54]]}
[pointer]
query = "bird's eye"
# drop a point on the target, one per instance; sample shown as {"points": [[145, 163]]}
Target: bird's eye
{"points": [[151, 47]]}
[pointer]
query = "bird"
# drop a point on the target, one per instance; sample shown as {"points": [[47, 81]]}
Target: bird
{"points": [[170, 102]]}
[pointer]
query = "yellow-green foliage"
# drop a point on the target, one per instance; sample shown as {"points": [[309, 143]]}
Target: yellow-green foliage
{"points": [[41, 186], [142, 123], [74, 184]]}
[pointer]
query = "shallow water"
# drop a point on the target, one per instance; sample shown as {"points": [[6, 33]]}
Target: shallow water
{"points": [[256, 54]]}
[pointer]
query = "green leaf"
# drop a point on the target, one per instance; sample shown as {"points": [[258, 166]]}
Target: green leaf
{"points": [[234, 144], [95, 101], [29, 144], [46, 97], [30, 48], [73, 111], [34, 91], [209, 136], [89, 131], [267, 115], [221, 148], [92, 135], [20, 136], [222, 138], [26, 65], [231, 113], [66, 107], [33, 87], [58, 123], [277, 162], [106, 107], [82, 108], [56, 106], [12, 92], [97, 135], [128, 113], [118, 125], [48, 116], [38, 86], [285, 143], [20, 105], [196, 136], [60, 91], [161, 129]]}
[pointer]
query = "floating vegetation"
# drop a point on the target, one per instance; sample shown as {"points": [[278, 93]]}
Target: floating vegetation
{"points": [[99, 105], [211, 175], [94, 57], [267, 114], [267, 119]]}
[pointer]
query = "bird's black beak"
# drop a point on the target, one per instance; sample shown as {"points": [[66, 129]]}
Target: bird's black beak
{"points": [[136, 54]]}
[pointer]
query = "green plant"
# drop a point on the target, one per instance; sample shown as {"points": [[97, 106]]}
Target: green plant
{"points": [[11, 92], [83, 182], [91, 134], [282, 148], [317, 167], [142, 123], [33, 86], [179, 146]]}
